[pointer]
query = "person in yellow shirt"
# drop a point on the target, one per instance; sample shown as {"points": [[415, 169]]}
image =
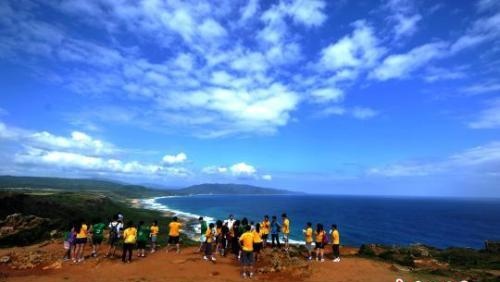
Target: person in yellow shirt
{"points": [[257, 241], [308, 237], [129, 240], [246, 245], [265, 226], [153, 233], [174, 233], [320, 242], [81, 240], [286, 230], [335, 243], [209, 238]]}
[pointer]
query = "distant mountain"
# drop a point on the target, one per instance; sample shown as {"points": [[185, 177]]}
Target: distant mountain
{"points": [[123, 190], [109, 188], [227, 189]]}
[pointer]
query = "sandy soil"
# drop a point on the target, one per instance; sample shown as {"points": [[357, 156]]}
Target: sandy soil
{"points": [[189, 266]]}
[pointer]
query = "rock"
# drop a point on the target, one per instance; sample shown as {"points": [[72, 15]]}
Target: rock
{"points": [[18, 229], [420, 251], [371, 250], [428, 263], [53, 233], [55, 265], [5, 259]]}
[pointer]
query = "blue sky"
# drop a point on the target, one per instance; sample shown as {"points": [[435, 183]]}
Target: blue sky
{"points": [[394, 97]]}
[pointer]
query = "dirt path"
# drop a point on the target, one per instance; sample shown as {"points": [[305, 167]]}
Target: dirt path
{"points": [[189, 266]]}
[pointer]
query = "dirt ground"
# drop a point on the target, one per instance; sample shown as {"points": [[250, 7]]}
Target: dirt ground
{"points": [[189, 266]]}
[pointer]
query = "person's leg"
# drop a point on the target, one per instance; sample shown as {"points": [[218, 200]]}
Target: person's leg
{"points": [[124, 253], [336, 251], [252, 261], [278, 241], [322, 253], [131, 249]]}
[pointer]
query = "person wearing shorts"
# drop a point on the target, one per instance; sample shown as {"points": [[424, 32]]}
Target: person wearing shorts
{"points": [[129, 241], [142, 238], [257, 241], [286, 230], [203, 230], [246, 259], [174, 234], [320, 245], [81, 240], [308, 238], [153, 233], [265, 225], [115, 228], [97, 231], [209, 238]]}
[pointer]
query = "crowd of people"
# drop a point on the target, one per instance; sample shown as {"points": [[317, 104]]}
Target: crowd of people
{"points": [[243, 238]]}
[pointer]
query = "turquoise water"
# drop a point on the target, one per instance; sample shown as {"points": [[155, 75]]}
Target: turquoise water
{"points": [[433, 221]]}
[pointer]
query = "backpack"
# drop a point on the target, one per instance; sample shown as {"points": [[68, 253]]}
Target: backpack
{"points": [[114, 233], [325, 238]]}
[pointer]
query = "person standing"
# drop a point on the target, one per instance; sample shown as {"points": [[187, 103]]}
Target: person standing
{"points": [[320, 242], [335, 243], [230, 222], [174, 234], [203, 230], [275, 232], [286, 230], [235, 235], [81, 241], [142, 238], [265, 226], [257, 241], [153, 234], [129, 240], [97, 231], [209, 238], [308, 236], [247, 260], [115, 228]]}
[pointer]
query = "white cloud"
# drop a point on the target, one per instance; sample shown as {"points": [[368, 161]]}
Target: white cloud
{"points": [[363, 113], [308, 12], [267, 177], [404, 17], [406, 25], [489, 117], [68, 160], [487, 5], [358, 50], [78, 141], [481, 159], [323, 95], [481, 88], [175, 159], [79, 153], [242, 169], [248, 11], [401, 65], [434, 74], [482, 30], [238, 170]]}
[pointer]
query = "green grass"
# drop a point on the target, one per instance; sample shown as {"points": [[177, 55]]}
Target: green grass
{"points": [[63, 208]]}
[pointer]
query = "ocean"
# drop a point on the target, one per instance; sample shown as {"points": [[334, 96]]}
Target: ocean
{"points": [[439, 222]]}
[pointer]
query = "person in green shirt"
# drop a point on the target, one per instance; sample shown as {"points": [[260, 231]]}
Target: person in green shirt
{"points": [[203, 228], [142, 238], [97, 231]]}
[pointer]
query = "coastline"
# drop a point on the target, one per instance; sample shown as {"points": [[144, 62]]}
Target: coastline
{"points": [[192, 229]]}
